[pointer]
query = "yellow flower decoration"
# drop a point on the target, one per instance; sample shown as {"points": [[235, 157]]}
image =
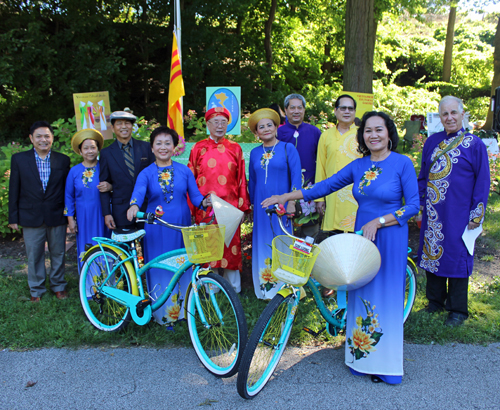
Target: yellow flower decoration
{"points": [[173, 313]]}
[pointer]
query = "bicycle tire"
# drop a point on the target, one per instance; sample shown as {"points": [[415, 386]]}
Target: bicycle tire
{"points": [[410, 290], [220, 346], [104, 313], [261, 356]]}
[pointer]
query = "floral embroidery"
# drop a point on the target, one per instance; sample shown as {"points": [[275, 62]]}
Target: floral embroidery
{"points": [[400, 212], [366, 335], [369, 176], [166, 181], [87, 176], [477, 215], [180, 260], [66, 211], [133, 201], [267, 279], [173, 313], [266, 156]]}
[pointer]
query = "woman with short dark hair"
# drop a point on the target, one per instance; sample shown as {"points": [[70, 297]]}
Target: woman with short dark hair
{"points": [[382, 178], [165, 184]]}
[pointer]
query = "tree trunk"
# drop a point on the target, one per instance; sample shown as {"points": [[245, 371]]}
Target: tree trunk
{"points": [[448, 49], [361, 28], [496, 77], [267, 41]]}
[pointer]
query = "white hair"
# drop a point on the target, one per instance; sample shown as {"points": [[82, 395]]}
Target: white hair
{"points": [[452, 98]]}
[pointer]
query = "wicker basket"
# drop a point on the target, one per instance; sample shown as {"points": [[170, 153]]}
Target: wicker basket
{"points": [[204, 243], [289, 265]]}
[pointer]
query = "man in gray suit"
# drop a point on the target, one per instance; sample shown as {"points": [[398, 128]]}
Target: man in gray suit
{"points": [[36, 202]]}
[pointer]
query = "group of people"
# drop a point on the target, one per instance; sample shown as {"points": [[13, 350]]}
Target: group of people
{"points": [[352, 175]]}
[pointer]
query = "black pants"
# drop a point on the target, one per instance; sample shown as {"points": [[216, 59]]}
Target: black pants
{"points": [[453, 298]]}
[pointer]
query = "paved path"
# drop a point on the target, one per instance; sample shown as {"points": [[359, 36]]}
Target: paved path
{"points": [[436, 377]]}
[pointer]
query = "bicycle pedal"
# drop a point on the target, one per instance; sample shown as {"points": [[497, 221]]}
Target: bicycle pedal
{"points": [[143, 304], [312, 332]]}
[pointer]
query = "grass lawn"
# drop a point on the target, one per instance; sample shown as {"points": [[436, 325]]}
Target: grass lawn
{"points": [[55, 323]]}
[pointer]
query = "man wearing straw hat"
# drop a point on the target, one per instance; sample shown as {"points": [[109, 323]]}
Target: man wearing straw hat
{"points": [[121, 163], [36, 202], [218, 167]]}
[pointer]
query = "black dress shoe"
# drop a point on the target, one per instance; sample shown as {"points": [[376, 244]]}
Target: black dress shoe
{"points": [[455, 319], [433, 309]]}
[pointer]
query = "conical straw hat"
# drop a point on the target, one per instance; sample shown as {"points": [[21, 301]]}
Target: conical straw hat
{"points": [[226, 215], [346, 262]]}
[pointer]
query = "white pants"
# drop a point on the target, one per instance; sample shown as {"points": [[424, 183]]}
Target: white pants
{"points": [[234, 278]]}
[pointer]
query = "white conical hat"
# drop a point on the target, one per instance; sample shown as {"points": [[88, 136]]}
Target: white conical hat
{"points": [[227, 215], [346, 262]]}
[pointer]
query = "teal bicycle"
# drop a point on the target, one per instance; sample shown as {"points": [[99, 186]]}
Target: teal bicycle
{"points": [[112, 293], [270, 335]]}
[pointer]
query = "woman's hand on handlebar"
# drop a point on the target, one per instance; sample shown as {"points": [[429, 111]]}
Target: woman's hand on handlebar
{"points": [[275, 199], [132, 212], [290, 209]]}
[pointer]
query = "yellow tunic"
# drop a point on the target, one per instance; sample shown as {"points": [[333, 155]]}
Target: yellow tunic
{"points": [[335, 151]]}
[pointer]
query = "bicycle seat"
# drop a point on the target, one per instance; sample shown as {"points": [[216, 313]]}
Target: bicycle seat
{"points": [[127, 235]]}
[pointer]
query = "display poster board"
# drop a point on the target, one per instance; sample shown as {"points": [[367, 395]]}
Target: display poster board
{"points": [[92, 111], [229, 98], [364, 102]]}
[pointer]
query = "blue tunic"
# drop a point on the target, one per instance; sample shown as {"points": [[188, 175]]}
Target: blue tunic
{"points": [[160, 239], [453, 192], [374, 331], [283, 175], [82, 200]]}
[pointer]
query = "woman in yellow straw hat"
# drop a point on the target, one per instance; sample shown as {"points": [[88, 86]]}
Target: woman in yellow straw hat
{"points": [[274, 167], [82, 200]]}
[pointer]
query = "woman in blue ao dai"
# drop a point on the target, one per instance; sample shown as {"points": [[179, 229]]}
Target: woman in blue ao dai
{"points": [[82, 198], [274, 167], [382, 178], [165, 183]]}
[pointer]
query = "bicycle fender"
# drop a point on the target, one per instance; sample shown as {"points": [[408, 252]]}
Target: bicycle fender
{"points": [[285, 292], [128, 265]]}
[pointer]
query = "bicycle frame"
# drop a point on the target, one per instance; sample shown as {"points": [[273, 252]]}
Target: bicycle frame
{"points": [[175, 261]]}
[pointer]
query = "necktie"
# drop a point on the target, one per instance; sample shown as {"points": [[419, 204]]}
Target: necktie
{"points": [[128, 159]]}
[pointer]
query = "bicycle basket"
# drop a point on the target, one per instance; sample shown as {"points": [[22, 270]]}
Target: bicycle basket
{"points": [[289, 265], [204, 243]]}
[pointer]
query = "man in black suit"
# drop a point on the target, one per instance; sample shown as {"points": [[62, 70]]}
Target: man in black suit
{"points": [[36, 202], [121, 163]]}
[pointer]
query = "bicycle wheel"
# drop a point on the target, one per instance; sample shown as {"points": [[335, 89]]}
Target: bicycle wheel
{"points": [[220, 342], [104, 313], [264, 349], [410, 289]]}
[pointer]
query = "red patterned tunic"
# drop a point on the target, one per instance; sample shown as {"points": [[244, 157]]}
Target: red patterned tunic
{"points": [[220, 169]]}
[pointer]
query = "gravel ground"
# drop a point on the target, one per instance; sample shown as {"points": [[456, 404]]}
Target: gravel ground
{"points": [[436, 377]]}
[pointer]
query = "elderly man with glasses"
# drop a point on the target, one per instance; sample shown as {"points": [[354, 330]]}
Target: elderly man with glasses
{"points": [[218, 167]]}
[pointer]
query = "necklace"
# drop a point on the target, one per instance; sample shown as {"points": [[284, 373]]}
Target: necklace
{"points": [[266, 157], [166, 181]]}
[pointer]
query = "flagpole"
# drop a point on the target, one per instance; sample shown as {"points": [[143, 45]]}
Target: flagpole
{"points": [[177, 31]]}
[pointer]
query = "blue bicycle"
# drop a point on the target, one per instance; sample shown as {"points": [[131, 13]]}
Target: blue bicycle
{"points": [[112, 293]]}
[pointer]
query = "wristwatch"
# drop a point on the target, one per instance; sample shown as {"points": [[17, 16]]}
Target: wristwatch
{"points": [[382, 221]]}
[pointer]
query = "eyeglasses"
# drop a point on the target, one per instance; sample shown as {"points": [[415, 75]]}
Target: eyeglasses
{"points": [[345, 107], [218, 123]]}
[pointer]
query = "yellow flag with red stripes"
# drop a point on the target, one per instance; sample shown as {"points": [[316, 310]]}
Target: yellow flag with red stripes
{"points": [[175, 92]]}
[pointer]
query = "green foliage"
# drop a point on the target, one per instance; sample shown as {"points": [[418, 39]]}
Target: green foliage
{"points": [[6, 154]]}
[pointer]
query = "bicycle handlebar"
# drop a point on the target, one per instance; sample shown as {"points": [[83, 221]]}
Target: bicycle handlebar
{"points": [[282, 212], [151, 218]]}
